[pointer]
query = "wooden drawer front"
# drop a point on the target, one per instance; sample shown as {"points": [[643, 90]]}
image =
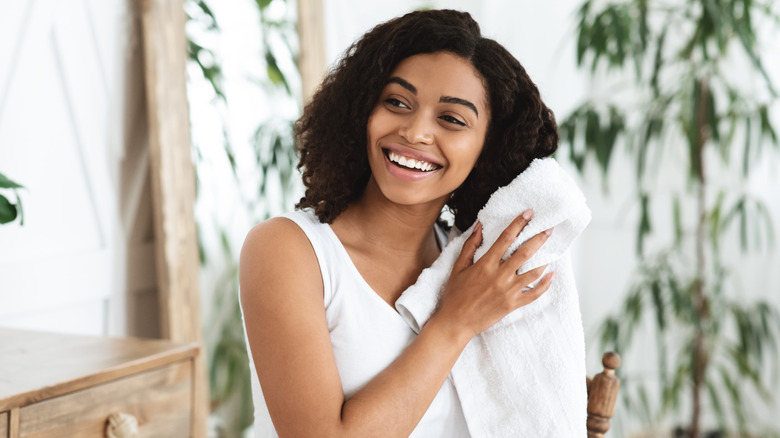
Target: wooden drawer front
{"points": [[161, 400], [3, 424]]}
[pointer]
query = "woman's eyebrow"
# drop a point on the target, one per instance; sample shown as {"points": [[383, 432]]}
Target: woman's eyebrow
{"points": [[403, 83], [458, 100], [444, 99]]}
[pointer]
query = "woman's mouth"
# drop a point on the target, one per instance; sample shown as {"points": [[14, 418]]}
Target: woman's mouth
{"points": [[410, 163]]}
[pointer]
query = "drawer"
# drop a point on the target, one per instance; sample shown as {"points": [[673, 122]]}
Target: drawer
{"points": [[161, 400], [4, 424]]}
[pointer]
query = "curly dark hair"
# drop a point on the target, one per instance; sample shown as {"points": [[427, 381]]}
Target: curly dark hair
{"points": [[331, 134]]}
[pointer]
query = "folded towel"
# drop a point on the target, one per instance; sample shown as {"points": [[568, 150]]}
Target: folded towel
{"points": [[524, 376]]}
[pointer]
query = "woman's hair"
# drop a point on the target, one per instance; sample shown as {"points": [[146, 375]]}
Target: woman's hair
{"points": [[331, 134]]}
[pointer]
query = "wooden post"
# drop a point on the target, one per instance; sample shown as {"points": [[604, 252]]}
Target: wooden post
{"points": [[602, 394], [173, 186], [311, 32]]}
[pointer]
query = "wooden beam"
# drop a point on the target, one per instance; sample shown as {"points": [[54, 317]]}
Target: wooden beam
{"points": [[173, 186], [311, 32]]}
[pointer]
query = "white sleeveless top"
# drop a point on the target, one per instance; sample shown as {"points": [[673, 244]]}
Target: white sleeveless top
{"points": [[367, 334]]}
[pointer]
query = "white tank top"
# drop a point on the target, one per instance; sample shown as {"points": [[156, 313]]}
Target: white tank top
{"points": [[367, 334]]}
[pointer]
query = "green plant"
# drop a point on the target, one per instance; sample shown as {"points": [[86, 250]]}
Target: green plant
{"points": [[271, 163], [8, 210], [679, 110]]}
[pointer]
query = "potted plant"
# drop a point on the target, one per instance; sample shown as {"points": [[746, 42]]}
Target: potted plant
{"points": [[677, 109]]}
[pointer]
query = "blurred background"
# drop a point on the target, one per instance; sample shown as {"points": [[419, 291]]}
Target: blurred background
{"points": [[669, 122]]}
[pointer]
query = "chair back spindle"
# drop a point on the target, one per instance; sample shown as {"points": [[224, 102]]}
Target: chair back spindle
{"points": [[602, 395]]}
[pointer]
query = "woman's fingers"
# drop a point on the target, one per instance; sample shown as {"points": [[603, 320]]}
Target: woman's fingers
{"points": [[510, 233], [526, 296], [527, 250], [466, 257], [530, 295]]}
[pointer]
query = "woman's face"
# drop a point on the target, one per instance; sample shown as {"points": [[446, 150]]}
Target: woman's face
{"points": [[427, 129]]}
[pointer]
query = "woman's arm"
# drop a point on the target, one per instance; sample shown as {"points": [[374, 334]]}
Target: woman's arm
{"points": [[282, 299]]}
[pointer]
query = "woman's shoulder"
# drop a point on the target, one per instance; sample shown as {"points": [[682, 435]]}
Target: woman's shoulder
{"points": [[276, 233], [277, 254], [286, 233]]}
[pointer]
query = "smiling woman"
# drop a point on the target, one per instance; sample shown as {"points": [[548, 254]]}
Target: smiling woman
{"points": [[422, 112], [425, 117]]}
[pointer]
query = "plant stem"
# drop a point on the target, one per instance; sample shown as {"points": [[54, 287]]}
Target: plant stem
{"points": [[699, 295]]}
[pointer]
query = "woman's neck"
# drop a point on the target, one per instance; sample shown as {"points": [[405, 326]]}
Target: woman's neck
{"points": [[402, 230]]}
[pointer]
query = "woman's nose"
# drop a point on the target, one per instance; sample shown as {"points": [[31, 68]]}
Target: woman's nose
{"points": [[417, 129]]}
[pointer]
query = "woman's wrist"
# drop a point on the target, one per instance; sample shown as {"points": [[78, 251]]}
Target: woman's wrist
{"points": [[453, 332]]}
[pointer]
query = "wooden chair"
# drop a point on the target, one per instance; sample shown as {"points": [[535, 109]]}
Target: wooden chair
{"points": [[602, 394]]}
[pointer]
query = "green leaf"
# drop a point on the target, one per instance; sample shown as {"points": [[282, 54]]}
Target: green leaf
{"points": [[592, 128], [715, 220], [634, 306], [658, 304], [711, 26], [644, 223], [658, 61], [262, 4], [677, 219], [8, 211], [583, 37], [644, 29], [618, 58], [616, 128], [213, 72], [767, 129], [207, 12], [7, 183], [713, 120], [677, 295], [745, 33], [273, 71]]}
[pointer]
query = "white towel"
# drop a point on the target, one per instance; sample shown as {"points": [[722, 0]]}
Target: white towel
{"points": [[525, 376]]}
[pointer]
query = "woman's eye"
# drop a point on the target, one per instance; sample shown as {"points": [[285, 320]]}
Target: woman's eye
{"points": [[450, 119], [396, 103]]}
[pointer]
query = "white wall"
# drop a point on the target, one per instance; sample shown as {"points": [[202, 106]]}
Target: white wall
{"points": [[541, 36], [73, 132]]}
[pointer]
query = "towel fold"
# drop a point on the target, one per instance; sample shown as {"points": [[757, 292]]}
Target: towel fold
{"points": [[524, 376]]}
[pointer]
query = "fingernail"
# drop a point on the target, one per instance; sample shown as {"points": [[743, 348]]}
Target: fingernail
{"points": [[552, 275], [478, 226], [527, 214], [548, 231]]}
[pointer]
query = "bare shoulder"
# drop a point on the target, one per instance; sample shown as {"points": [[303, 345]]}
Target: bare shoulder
{"points": [[277, 256], [273, 235]]}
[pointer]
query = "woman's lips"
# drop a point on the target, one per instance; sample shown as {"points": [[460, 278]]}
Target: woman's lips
{"points": [[405, 173], [410, 163], [414, 154]]}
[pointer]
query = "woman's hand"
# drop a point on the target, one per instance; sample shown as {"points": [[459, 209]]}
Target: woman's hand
{"points": [[479, 294]]}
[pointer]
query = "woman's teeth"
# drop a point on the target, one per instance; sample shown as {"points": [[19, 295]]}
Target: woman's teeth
{"points": [[411, 163]]}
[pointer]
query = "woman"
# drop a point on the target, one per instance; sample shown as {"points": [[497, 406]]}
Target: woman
{"points": [[421, 112]]}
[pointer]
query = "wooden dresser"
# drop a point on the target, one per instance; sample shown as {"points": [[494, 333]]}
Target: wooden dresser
{"points": [[54, 385]]}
